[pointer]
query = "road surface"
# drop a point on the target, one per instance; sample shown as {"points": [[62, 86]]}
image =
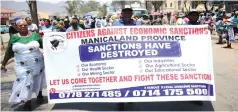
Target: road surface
{"points": [[226, 77], [5, 37]]}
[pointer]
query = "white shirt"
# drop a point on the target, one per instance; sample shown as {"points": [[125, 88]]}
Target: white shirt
{"points": [[32, 27]]}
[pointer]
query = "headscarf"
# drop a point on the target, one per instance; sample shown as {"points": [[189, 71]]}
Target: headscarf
{"points": [[16, 19]]}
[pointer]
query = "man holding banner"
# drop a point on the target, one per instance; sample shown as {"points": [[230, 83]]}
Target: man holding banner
{"points": [[125, 20], [193, 17]]}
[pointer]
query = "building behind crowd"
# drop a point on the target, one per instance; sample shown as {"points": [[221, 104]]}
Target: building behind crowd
{"points": [[231, 5], [6, 16]]}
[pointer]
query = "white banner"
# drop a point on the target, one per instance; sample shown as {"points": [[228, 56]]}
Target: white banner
{"points": [[130, 64]]}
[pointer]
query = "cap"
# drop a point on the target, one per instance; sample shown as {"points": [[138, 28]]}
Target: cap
{"points": [[16, 19], [126, 9]]}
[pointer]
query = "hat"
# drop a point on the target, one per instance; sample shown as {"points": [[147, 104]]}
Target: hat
{"points": [[126, 9], [16, 19]]}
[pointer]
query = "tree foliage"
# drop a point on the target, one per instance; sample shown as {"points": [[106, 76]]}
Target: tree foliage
{"points": [[103, 10], [72, 6], [118, 4], [81, 7], [156, 4], [89, 6]]}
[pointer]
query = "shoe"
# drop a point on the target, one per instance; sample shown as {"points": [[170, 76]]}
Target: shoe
{"points": [[228, 47], [200, 103], [219, 43], [40, 99]]}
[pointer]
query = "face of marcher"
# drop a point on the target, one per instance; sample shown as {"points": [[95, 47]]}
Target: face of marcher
{"points": [[47, 23], [126, 15], [193, 17], [29, 21], [22, 26]]}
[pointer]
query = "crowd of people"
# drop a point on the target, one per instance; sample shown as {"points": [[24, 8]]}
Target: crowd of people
{"points": [[219, 21], [25, 41]]}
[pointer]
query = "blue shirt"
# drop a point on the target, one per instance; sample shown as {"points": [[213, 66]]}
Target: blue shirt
{"points": [[235, 21], [47, 29], [70, 29], [63, 29], [121, 23]]}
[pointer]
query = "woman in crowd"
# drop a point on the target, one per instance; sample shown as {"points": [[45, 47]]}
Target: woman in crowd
{"points": [[48, 27], [29, 65], [74, 25]]}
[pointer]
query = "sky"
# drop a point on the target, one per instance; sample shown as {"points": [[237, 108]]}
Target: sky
{"points": [[50, 6]]}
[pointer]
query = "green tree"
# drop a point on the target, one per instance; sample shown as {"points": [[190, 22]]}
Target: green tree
{"points": [[72, 6], [103, 10], [89, 6], [118, 4]]}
